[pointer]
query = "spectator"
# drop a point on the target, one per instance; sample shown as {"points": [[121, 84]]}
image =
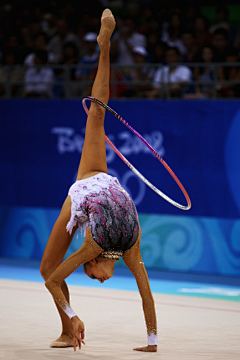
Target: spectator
{"points": [[175, 24], [69, 59], [40, 43], [117, 90], [139, 57], [172, 40], [143, 74], [90, 58], [118, 84], [172, 77], [230, 73], [145, 19], [9, 72], [49, 25], [205, 75], [189, 44], [27, 42], [39, 79], [172, 36], [153, 36], [158, 53], [11, 43], [202, 35], [124, 40], [70, 54], [63, 35], [71, 13], [237, 40], [222, 14], [190, 15], [220, 44]]}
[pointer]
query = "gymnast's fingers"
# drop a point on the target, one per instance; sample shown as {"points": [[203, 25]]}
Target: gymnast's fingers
{"points": [[79, 340], [74, 343]]}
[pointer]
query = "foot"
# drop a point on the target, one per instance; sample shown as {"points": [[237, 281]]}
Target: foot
{"points": [[62, 342], [108, 24]]}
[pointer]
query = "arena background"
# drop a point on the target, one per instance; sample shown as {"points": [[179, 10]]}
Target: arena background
{"points": [[41, 143]]}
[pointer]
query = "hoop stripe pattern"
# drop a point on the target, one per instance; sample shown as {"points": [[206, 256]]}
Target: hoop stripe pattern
{"points": [[159, 192]]}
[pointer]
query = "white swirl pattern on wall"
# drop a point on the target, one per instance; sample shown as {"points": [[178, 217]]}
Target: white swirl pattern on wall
{"points": [[171, 242], [29, 232], [177, 243], [222, 248]]}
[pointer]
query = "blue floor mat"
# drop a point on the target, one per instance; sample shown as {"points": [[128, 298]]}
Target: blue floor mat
{"points": [[29, 271]]}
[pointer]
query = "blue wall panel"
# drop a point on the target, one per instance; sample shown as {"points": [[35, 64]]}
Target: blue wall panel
{"points": [[40, 147]]}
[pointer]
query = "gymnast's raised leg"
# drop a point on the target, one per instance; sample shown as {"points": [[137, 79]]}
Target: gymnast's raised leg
{"points": [[93, 161]]}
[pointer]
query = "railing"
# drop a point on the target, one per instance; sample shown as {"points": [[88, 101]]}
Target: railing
{"points": [[66, 84]]}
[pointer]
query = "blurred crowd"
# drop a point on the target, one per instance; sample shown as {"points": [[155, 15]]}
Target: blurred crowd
{"points": [[153, 49]]}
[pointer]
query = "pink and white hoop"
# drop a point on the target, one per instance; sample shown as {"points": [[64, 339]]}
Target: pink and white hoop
{"points": [[160, 193]]}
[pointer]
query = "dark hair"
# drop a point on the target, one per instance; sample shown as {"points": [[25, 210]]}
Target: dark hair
{"points": [[207, 46], [174, 48], [171, 30], [42, 55], [188, 31], [199, 52], [204, 47], [42, 34], [71, 44], [175, 13], [11, 51], [224, 10], [222, 31], [231, 51], [205, 19], [162, 44]]}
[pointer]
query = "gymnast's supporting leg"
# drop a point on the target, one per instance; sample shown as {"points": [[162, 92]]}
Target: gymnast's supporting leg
{"points": [[93, 159], [57, 246]]}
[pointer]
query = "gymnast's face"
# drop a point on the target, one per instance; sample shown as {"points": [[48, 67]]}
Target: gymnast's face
{"points": [[99, 269]]}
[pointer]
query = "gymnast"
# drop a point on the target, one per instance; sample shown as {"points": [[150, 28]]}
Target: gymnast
{"points": [[98, 204]]}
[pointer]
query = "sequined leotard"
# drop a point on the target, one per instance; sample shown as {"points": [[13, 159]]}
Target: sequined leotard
{"points": [[101, 203]]}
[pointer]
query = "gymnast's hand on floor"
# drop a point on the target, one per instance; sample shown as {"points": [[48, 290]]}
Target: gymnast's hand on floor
{"points": [[149, 348], [78, 332]]}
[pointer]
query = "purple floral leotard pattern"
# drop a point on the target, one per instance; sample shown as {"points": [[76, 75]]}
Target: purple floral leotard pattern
{"points": [[101, 203]]}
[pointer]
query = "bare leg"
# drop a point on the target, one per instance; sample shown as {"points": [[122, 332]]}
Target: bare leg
{"points": [[59, 240], [93, 159]]}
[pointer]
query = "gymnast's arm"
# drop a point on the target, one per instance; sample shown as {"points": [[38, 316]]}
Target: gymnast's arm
{"points": [[88, 251], [133, 260]]}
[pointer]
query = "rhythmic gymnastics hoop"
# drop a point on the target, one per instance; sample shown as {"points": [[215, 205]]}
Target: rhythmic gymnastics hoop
{"points": [[160, 193]]}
